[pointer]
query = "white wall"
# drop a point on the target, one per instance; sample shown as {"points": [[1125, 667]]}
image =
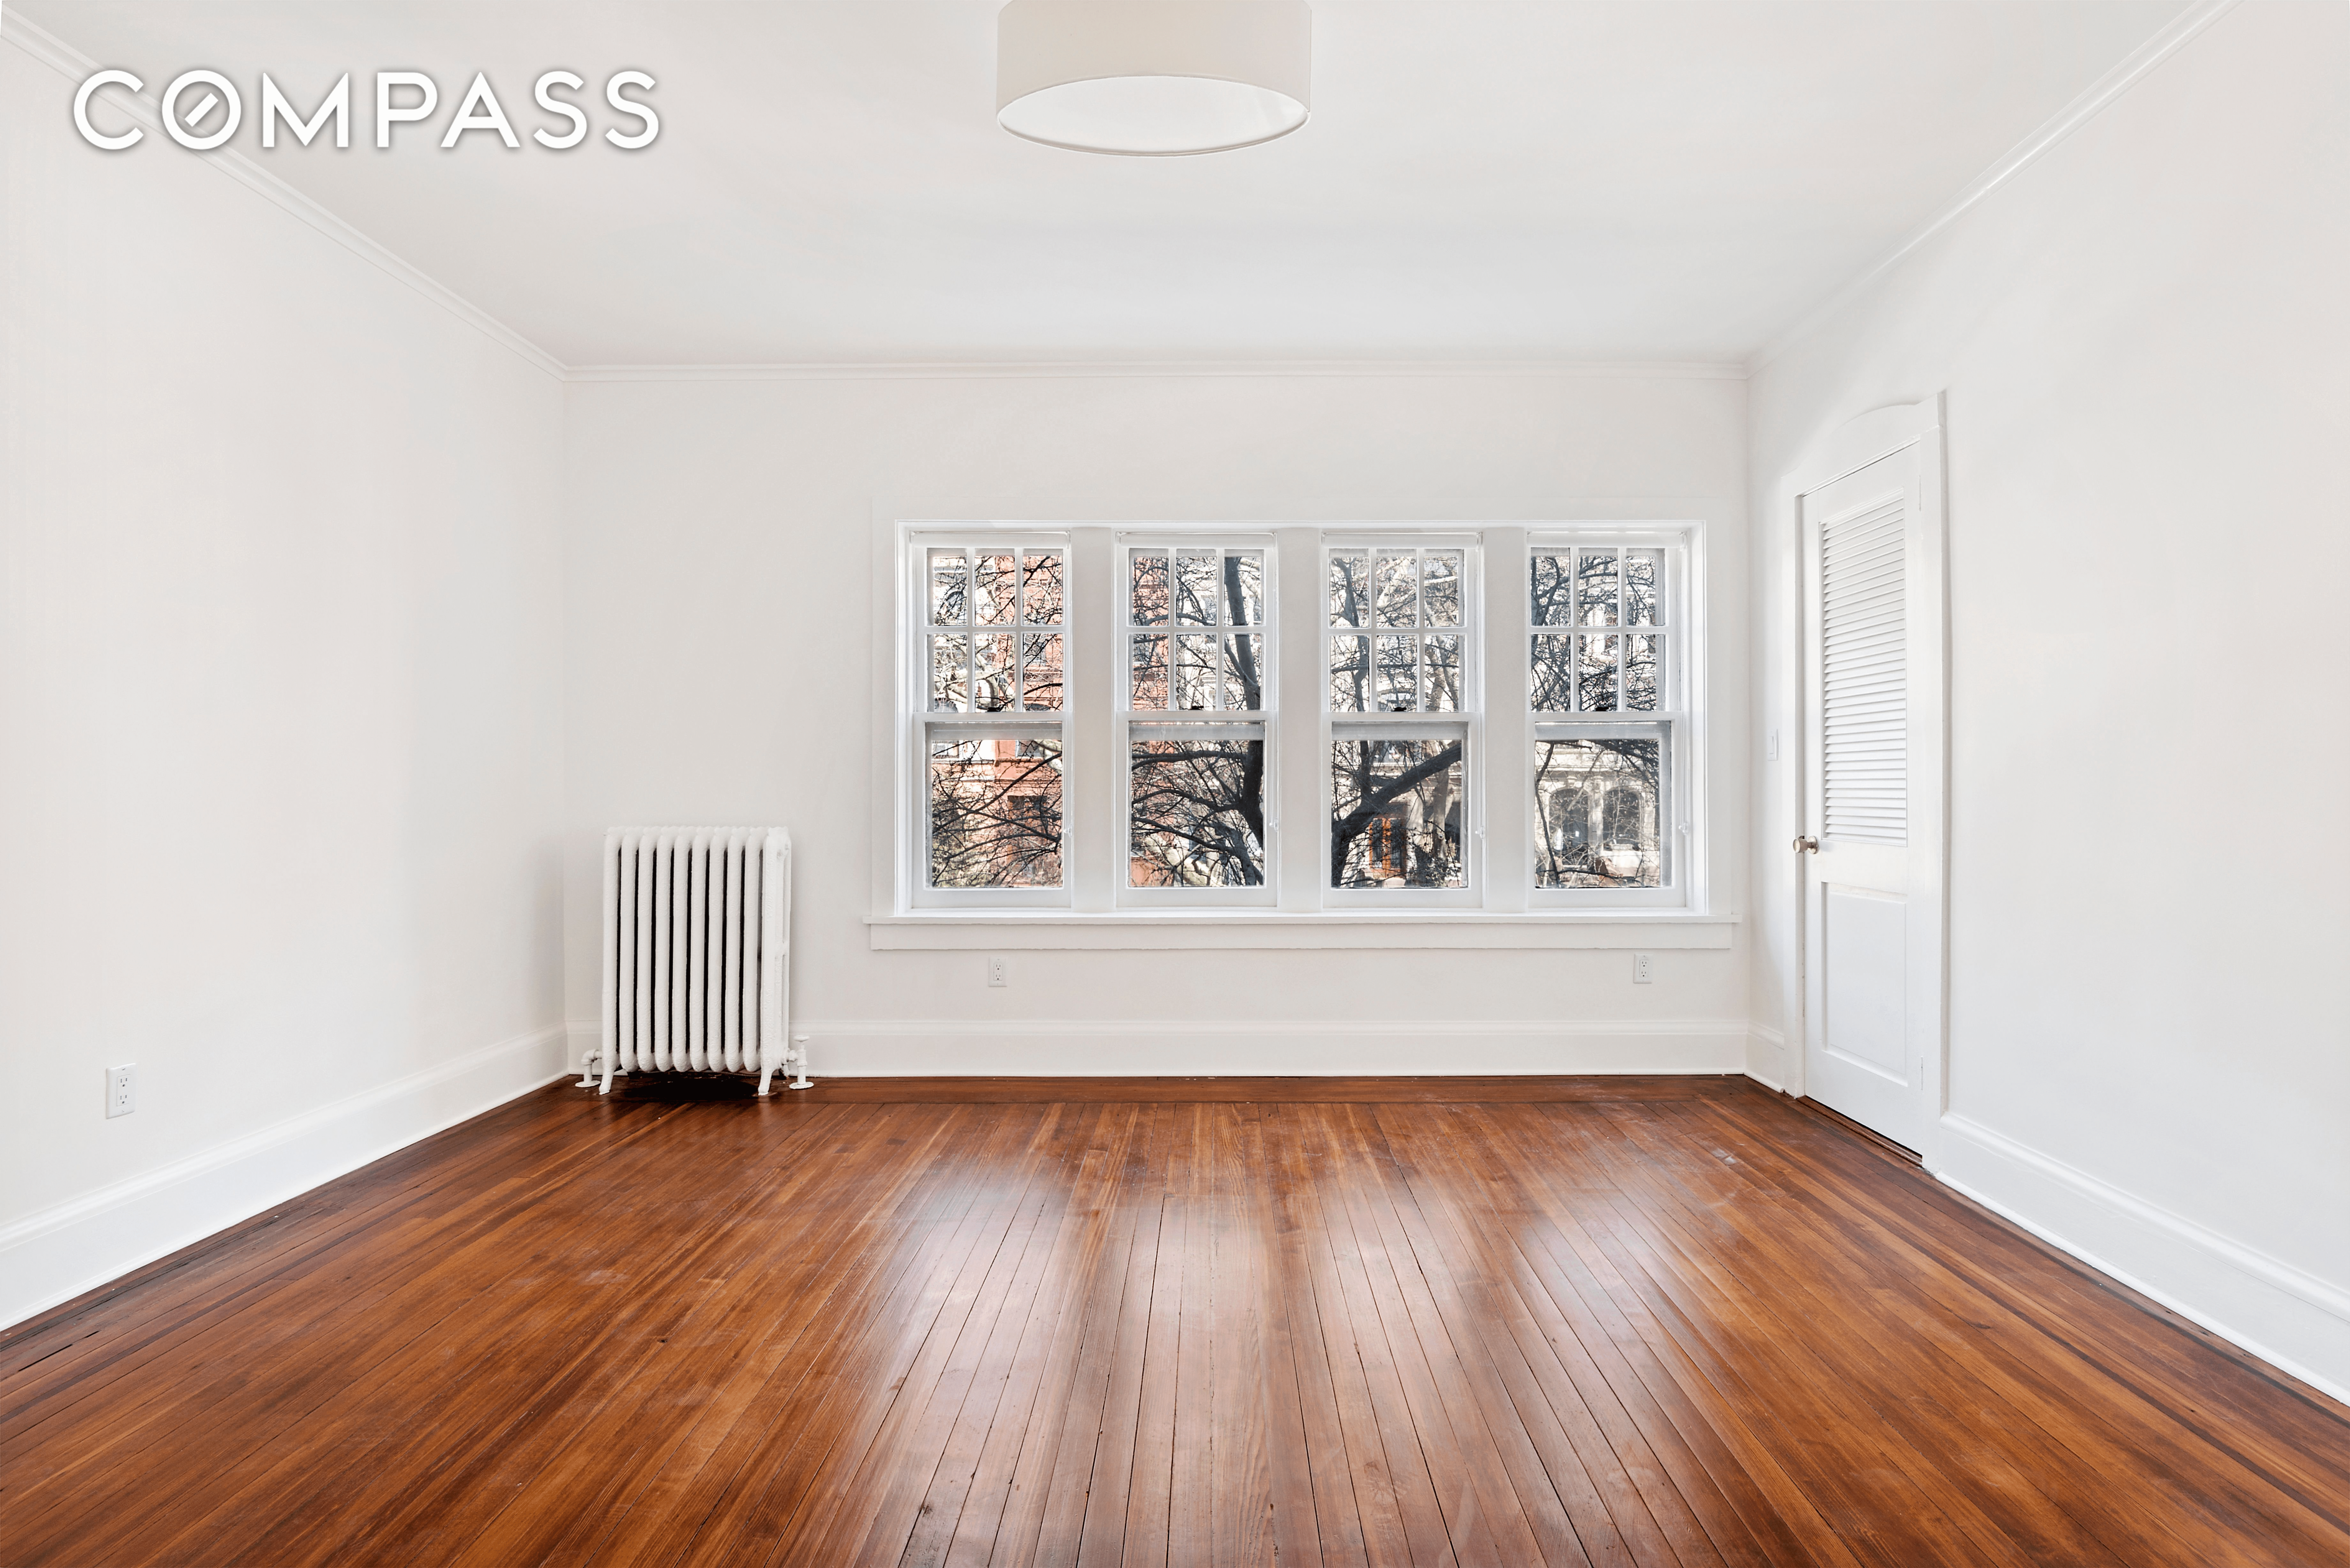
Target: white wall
{"points": [[722, 640], [279, 704], [2145, 338]]}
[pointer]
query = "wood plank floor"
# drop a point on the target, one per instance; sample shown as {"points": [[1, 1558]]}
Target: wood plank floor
{"points": [[966, 1322]]}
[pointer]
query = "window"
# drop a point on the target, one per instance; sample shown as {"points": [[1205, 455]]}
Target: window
{"points": [[1602, 694], [1100, 721], [1395, 642], [1193, 629], [991, 639]]}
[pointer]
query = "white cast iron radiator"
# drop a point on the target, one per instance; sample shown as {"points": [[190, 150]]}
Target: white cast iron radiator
{"points": [[697, 939]]}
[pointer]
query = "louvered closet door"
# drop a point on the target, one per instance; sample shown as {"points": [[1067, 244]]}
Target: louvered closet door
{"points": [[1871, 961]]}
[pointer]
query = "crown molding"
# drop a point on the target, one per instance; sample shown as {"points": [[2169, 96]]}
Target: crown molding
{"points": [[72, 64], [2175, 35], [1012, 369]]}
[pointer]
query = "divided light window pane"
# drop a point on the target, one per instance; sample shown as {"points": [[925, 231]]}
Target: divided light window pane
{"points": [[1041, 577], [1195, 673], [950, 583], [1644, 582], [1244, 584], [1350, 587], [1147, 588], [1195, 808], [996, 588], [1595, 675], [1595, 588], [995, 812]]}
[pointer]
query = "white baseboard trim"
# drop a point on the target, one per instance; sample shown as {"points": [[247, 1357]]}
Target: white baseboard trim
{"points": [[1111, 370], [79, 1245], [2290, 1319], [856, 1048], [1766, 1056]]}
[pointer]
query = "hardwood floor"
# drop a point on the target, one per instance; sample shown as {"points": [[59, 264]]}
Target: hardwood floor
{"points": [[964, 1322]]}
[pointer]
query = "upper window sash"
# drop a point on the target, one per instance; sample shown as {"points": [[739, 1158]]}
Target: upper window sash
{"points": [[991, 625], [1606, 628], [1399, 625], [1195, 628]]}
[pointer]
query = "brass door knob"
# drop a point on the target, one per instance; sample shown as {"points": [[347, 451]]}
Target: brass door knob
{"points": [[1806, 845]]}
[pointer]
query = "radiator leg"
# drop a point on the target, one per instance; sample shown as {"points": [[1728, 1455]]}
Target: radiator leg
{"points": [[764, 1074]]}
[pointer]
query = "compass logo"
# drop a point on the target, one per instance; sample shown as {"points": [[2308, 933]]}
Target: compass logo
{"points": [[202, 109]]}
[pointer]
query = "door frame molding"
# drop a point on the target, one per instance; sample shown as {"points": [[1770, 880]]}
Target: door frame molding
{"points": [[1861, 441]]}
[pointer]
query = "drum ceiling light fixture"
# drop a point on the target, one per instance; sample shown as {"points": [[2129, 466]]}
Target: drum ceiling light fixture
{"points": [[1152, 78]]}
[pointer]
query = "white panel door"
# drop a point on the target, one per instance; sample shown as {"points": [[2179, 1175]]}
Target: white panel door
{"points": [[1871, 844]]}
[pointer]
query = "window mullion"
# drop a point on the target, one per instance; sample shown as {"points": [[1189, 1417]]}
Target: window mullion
{"points": [[1299, 745], [1505, 775], [1092, 674], [1621, 628]]}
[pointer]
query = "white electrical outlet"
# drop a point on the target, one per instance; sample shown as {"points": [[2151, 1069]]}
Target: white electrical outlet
{"points": [[999, 972], [1639, 969], [122, 1089]]}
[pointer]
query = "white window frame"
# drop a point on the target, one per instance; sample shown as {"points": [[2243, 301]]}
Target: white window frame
{"points": [[1500, 904], [1674, 715], [929, 724], [1222, 723]]}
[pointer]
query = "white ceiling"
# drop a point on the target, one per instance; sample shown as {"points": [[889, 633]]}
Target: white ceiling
{"points": [[1671, 179]]}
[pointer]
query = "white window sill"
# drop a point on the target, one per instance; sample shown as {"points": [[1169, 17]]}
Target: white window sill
{"points": [[956, 931]]}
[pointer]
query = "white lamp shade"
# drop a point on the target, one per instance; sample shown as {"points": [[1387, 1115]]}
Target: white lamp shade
{"points": [[1153, 78]]}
